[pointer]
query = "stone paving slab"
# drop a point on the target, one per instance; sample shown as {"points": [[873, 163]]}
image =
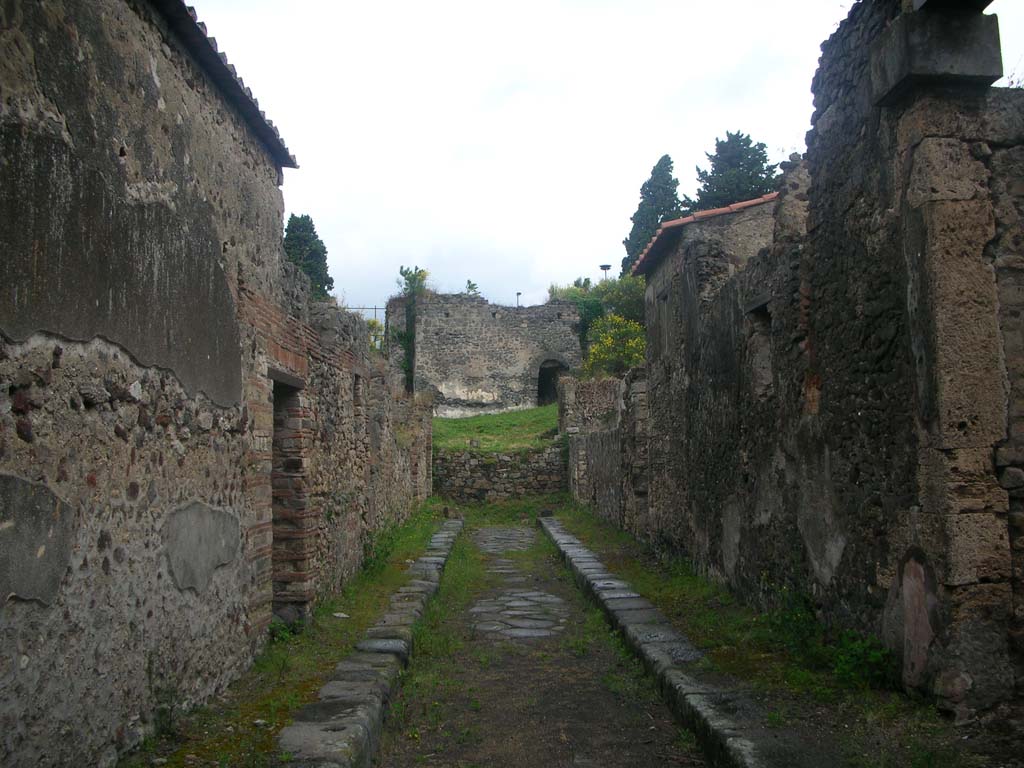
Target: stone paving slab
{"points": [[514, 614], [722, 720], [342, 729]]}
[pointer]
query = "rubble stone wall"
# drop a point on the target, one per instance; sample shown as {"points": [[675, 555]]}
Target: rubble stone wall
{"points": [[475, 357], [832, 417], [467, 476], [607, 449], [144, 313]]}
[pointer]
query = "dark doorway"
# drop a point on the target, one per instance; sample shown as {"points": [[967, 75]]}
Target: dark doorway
{"points": [[547, 382], [291, 529]]}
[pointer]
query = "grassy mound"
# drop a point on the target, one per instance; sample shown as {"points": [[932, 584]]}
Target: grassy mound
{"points": [[510, 432]]}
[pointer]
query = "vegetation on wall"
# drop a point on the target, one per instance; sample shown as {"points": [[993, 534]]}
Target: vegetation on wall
{"points": [[622, 296], [413, 283], [616, 345], [472, 289], [304, 247], [739, 171], [659, 202]]}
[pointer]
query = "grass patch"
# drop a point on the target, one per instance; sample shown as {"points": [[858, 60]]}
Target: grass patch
{"points": [[240, 729], [786, 655], [524, 511], [509, 432], [431, 679]]}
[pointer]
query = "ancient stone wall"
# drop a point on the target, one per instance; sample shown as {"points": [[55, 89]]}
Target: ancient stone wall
{"points": [[1005, 165], [467, 476], [825, 416], [146, 320], [475, 357], [605, 426], [585, 404]]}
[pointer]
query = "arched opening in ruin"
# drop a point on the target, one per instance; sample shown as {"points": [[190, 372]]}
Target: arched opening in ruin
{"points": [[547, 381]]}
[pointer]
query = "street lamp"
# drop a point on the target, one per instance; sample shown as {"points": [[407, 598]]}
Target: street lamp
{"points": [[605, 268], [518, 294]]}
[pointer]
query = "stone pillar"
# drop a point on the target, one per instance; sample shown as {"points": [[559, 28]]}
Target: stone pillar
{"points": [[950, 603]]}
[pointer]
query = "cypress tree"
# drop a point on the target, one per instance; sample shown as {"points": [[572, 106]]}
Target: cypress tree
{"points": [[658, 202], [739, 171], [304, 247]]}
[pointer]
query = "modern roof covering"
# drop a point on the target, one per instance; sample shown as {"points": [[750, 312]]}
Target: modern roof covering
{"points": [[669, 231], [183, 20]]}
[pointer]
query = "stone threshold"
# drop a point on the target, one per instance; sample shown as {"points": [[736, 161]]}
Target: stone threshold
{"points": [[724, 721], [343, 728]]}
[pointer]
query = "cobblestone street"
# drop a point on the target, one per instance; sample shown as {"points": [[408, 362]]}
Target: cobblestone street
{"points": [[536, 679]]}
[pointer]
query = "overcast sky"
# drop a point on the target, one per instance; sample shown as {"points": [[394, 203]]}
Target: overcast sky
{"points": [[506, 143]]}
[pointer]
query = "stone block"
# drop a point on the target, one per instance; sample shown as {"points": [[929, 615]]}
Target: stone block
{"points": [[962, 289], [979, 549], [944, 169], [934, 49]]}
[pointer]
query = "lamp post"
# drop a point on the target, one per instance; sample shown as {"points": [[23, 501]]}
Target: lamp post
{"points": [[518, 294], [605, 268]]}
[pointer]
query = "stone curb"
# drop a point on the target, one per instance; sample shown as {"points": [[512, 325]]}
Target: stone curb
{"points": [[343, 728], [702, 708]]}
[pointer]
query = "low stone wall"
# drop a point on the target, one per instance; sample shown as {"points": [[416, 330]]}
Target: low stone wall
{"points": [[605, 426], [468, 476]]}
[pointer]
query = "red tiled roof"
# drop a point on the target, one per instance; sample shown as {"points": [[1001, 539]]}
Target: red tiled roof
{"points": [[649, 256], [185, 22]]}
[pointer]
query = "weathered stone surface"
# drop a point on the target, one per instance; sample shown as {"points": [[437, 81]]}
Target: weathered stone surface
{"points": [[933, 48], [467, 476], [36, 533], [477, 357], [199, 539], [145, 309], [823, 414]]}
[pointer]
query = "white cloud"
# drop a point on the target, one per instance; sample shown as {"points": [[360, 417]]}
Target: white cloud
{"points": [[507, 143]]}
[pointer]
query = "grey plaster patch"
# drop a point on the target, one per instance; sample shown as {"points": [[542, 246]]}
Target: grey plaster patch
{"points": [[199, 540], [36, 532]]}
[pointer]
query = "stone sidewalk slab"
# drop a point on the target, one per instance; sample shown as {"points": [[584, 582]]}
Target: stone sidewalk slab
{"points": [[725, 722], [342, 729]]}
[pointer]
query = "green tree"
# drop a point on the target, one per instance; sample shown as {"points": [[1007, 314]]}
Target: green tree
{"points": [[472, 289], [623, 296], [412, 281], [658, 202], [304, 247], [739, 171], [376, 330], [616, 345], [588, 304]]}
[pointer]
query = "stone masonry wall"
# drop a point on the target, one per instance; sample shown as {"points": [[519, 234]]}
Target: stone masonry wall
{"points": [[584, 404], [476, 357], [830, 418], [608, 448], [466, 476], [146, 318]]}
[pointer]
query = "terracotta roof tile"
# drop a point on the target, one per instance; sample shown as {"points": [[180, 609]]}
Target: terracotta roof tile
{"points": [[646, 256]]}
